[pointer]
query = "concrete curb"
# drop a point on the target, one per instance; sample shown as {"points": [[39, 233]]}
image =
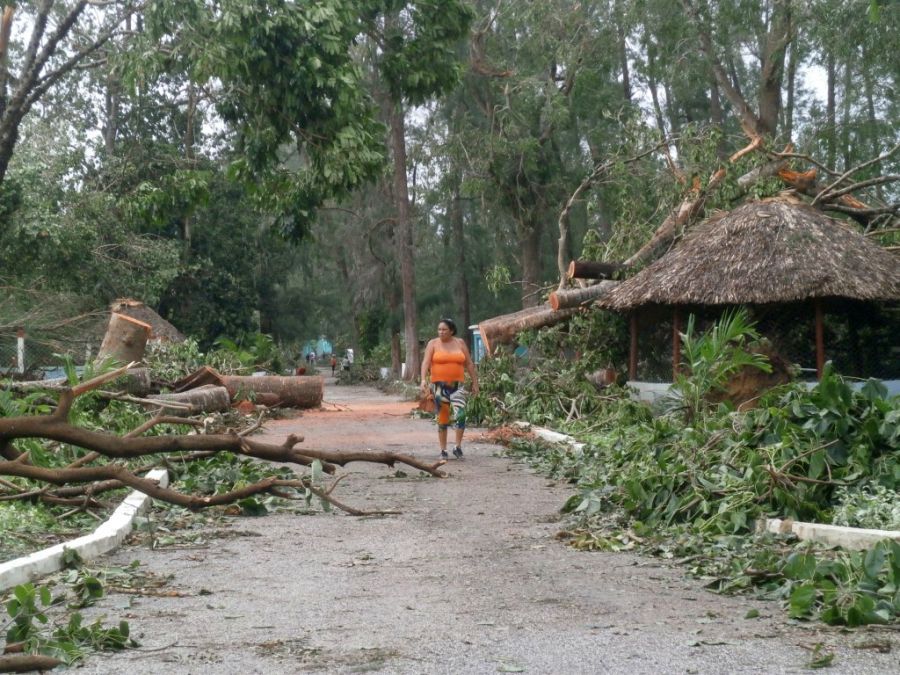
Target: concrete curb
{"points": [[854, 538], [551, 436], [104, 539]]}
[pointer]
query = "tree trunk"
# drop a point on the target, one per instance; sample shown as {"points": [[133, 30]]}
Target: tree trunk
{"points": [[831, 112], [404, 240], [777, 40], [503, 329], [530, 251], [396, 358], [459, 240], [209, 398], [575, 297], [135, 381], [294, 391], [791, 88], [590, 269], [125, 339], [623, 54]]}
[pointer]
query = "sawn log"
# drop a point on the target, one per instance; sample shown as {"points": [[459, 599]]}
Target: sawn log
{"points": [[574, 297], [293, 391], [591, 269], [209, 398], [503, 329]]}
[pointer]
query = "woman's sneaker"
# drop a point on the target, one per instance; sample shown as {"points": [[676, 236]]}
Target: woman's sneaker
{"points": [[457, 452], [444, 454]]}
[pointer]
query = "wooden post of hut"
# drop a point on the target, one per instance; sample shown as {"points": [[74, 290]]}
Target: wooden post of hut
{"points": [[633, 347], [676, 341], [820, 338]]}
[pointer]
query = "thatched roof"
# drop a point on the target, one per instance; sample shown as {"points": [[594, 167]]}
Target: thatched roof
{"points": [[160, 328], [770, 251]]}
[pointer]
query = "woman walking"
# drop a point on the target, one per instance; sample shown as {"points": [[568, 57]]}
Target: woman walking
{"points": [[447, 358]]}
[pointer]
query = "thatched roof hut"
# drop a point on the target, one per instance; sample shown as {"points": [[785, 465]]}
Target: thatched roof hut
{"points": [[761, 253], [764, 252]]}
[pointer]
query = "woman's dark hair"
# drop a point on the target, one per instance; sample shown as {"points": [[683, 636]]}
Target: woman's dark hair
{"points": [[450, 323]]}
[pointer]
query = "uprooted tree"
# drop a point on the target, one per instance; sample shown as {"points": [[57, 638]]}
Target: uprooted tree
{"points": [[108, 462]]}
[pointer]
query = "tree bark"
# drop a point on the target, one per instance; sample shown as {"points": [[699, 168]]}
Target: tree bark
{"points": [[503, 329], [530, 251], [591, 269], [574, 297], [136, 381], [209, 398], [125, 339], [791, 87], [458, 224], [294, 391], [404, 239], [830, 112], [27, 663]]}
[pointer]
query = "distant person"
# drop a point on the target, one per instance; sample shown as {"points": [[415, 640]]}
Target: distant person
{"points": [[447, 358], [333, 364]]}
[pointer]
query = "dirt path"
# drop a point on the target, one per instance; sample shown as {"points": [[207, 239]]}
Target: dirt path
{"points": [[469, 579]]}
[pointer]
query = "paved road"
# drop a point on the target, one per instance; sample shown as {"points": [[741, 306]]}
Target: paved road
{"points": [[469, 579]]}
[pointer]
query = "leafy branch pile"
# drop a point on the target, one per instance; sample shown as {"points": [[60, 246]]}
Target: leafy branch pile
{"points": [[38, 638], [691, 479]]}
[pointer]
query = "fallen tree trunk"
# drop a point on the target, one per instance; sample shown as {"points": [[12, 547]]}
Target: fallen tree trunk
{"points": [[209, 398], [135, 381], [125, 339], [590, 269], [575, 297], [688, 209], [503, 329], [202, 376], [27, 663], [293, 391]]}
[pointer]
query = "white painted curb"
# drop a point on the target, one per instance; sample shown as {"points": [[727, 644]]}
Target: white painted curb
{"points": [[551, 436], [104, 539], [834, 535]]}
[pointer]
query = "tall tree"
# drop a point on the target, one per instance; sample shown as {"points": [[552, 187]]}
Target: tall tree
{"points": [[58, 41], [415, 57]]}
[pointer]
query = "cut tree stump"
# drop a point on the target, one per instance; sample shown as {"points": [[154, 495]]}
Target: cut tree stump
{"points": [[125, 339], [293, 391], [503, 329], [574, 297]]}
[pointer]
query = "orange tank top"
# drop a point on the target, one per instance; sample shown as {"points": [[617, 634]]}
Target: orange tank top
{"points": [[447, 366]]}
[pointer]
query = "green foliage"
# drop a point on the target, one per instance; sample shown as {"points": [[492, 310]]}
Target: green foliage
{"points": [[852, 589], [870, 506], [253, 351], [710, 359], [286, 79], [225, 472], [170, 361], [68, 641]]}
